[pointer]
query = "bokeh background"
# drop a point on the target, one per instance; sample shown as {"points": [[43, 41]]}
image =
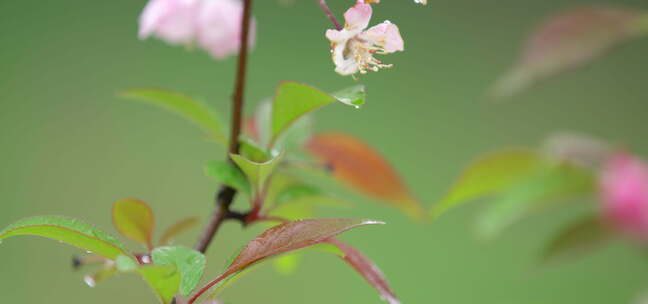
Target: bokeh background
{"points": [[69, 146]]}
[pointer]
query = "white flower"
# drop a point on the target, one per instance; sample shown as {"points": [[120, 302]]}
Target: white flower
{"points": [[353, 47]]}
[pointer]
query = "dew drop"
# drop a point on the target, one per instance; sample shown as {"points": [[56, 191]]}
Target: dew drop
{"points": [[146, 259], [90, 281], [89, 252], [356, 106]]}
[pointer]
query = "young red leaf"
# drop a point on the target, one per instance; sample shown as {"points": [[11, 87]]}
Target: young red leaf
{"points": [[367, 269], [286, 237], [569, 40], [292, 236], [134, 219], [362, 167]]}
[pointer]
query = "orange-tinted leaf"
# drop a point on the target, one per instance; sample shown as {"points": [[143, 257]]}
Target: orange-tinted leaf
{"points": [[134, 219], [367, 269], [360, 166], [286, 237], [177, 228], [569, 40]]}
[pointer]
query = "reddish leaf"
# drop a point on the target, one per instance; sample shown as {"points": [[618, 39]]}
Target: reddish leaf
{"points": [[568, 40], [286, 237], [367, 269], [134, 219], [360, 166], [292, 236]]}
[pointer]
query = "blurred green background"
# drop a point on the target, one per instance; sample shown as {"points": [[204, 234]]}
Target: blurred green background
{"points": [[69, 146]]}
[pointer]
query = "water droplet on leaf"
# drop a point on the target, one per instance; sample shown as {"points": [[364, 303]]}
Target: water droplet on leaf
{"points": [[146, 259]]}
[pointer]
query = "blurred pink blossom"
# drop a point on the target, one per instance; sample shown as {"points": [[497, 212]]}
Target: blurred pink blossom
{"points": [[624, 187], [219, 27], [170, 20], [353, 47], [424, 2], [214, 25]]}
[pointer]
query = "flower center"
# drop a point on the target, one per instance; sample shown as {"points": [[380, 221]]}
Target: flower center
{"points": [[361, 51]]}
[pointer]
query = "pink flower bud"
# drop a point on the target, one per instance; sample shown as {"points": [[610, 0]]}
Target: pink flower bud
{"points": [[170, 20], [624, 190]]}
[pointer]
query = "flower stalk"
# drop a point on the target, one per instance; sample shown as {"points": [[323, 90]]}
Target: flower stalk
{"points": [[225, 196], [329, 14]]}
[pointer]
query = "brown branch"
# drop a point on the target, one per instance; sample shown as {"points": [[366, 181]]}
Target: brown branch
{"points": [[226, 194], [329, 14]]}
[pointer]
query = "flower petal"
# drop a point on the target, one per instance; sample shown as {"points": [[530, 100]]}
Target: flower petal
{"points": [[357, 18], [219, 27], [169, 20], [387, 36]]}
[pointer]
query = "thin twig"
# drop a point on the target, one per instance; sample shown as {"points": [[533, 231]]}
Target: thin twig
{"points": [[224, 199], [226, 194], [329, 14]]}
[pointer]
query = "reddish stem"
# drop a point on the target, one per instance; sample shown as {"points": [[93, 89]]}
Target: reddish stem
{"points": [[206, 288], [329, 14], [225, 195]]}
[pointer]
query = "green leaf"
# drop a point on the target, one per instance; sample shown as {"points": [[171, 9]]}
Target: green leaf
{"points": [[549, 185], [164, 280], [189, 262], [228, 174], [578, 240], [489, 175], [135, 220], [67, 230], [191, 109], [257, 173], [294, 100], [177, 228], [253, 152]]}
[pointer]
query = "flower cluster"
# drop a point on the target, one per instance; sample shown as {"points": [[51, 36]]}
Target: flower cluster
{"points": [[353, 47], [213, 25]]}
